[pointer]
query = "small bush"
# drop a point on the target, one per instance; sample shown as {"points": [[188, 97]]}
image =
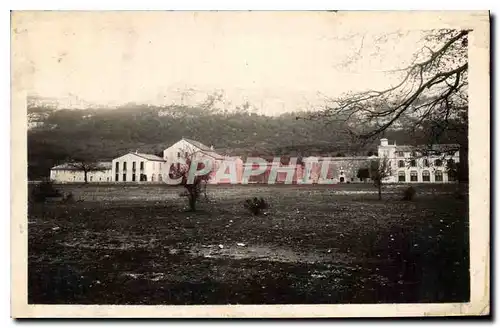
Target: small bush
{"points": [[69, 198], [256, 205], [409, 193], [44, 190]]}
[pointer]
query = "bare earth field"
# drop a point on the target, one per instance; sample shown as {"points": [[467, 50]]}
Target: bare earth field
{"points": [[317, 244]]}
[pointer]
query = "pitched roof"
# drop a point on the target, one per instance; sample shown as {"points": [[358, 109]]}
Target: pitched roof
{"points": [[435, 147], [149, 157], [198, 144], [212, 154], [72, 167]]}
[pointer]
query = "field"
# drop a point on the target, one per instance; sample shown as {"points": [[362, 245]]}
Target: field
{"points": [[316, 244]]}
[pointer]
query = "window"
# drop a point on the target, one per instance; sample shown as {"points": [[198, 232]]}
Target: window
{"points": [[438, 162], [99, 179], [438, 176], [400, 154], [159, 166], [153, 177], [142, 165], [401, 163], [116, 177], [91, 178], [153, 165], [160, 177], [426, 176], [133, 166], [117, 167], [401, 176], [450, 162], [124, 177], [426, 162], [124, 166], [178, 155], [133, 177], [413, 176], [413, 163]]}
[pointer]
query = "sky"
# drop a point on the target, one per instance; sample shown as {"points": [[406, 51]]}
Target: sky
{"points": [[277, 61]]}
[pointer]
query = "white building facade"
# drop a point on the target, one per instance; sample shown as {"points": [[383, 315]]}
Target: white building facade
{"points": [[67, 173], [419, 164], [137, 167], [408, 164]]}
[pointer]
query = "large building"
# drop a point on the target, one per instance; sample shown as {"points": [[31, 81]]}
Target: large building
{"points": [[136, 167], [420, 163], [71, 173], [407, 164]]}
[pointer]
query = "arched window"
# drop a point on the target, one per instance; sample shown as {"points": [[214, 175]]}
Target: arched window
{"points": [[401, 163], [438, 162], [413, 176], [401, 176], [426, 176], [438, 176], [153, 177], [413, 163]]}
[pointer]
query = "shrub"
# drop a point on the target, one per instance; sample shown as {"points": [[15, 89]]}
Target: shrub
{"points": [[69, 198], [409, 193], [44, 190], [255, 205]]}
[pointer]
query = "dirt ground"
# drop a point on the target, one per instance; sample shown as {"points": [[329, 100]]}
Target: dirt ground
{"points": [[317, 244]]}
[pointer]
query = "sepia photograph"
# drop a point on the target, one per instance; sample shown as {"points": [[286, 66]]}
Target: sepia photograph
{"points": [[306, 159]]}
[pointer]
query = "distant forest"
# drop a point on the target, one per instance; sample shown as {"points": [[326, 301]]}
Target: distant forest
{"points": [[103, 134]]}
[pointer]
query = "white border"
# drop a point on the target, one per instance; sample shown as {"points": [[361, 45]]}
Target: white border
{"points": [[480, 158]]}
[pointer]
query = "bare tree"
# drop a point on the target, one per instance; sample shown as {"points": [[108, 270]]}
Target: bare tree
{"points": [[86, 165], [430, 97], [194, 184], [380, 168]]}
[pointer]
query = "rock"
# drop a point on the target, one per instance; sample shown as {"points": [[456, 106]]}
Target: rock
{"points": [[55, 228], [240, 244], [221, 246]]}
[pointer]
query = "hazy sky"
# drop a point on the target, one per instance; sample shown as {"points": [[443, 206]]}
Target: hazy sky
{"points": [[275, 60]]}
